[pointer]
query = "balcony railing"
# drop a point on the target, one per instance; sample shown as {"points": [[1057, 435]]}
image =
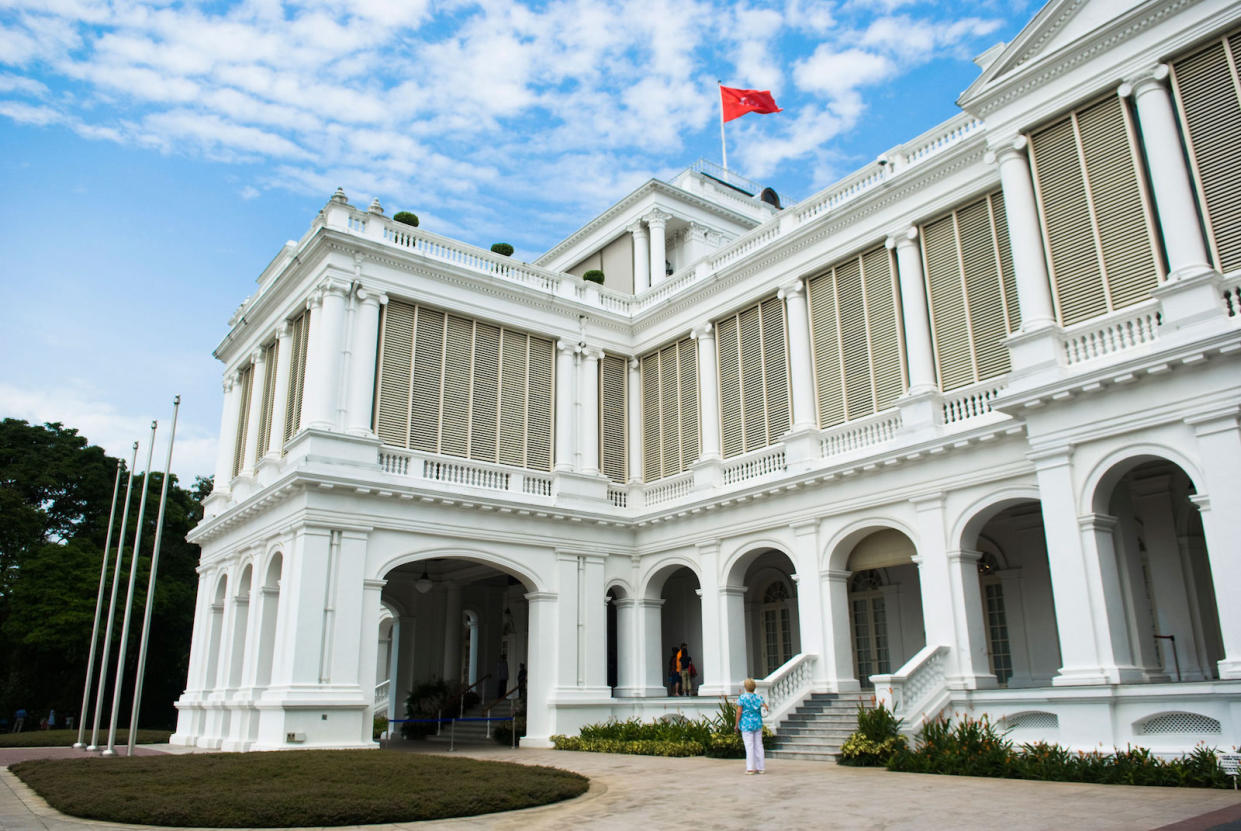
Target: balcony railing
{"points": [[1119, 332], [464, 473], [862, 434]]}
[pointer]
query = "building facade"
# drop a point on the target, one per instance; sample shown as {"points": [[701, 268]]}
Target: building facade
{"points": [[962, 431]]}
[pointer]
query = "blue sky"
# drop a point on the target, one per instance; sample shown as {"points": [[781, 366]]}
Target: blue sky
{"points": [[155, 156]]}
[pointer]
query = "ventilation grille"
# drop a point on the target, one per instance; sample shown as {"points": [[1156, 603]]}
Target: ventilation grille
{"points": [[1177, 723], [1034, 720]]}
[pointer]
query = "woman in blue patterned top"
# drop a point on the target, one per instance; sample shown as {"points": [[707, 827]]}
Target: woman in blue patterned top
{"points": [[750, 708]]}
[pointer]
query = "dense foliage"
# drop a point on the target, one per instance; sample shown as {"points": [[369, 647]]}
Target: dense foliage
{"points": [[502, 248], [877, 739], [55, 499], [593, 276], [672, 735], [406, 218], [975, 747]]}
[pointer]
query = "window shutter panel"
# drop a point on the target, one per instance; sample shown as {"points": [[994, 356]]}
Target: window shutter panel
{"points": [[243, 418], [983, 293], [825, 339], [858, 398], [883, 327], [269, 398], [395, 367], [612, 374], [730, 386], [688, 428], [485, 382], [775, 369], [942, 266], [1004, 259], [539, 404], [424, 401], [455, 416], [669, 413], [1206, 83], [651, 419], [752, 418], [513, 380], [1120, 211], [1076, 276], [297, 374]]}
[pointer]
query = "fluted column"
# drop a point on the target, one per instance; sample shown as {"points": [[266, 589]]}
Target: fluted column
{"points": [[280, 398], [708, 391], [1021, 214], [914, 310], [228, 435], [326, 356], [1170, 180], [258, 382], [801, 374], [641, 257], [588, 428], [363, 355], [657, 222], [564, 404], [633, 423]]}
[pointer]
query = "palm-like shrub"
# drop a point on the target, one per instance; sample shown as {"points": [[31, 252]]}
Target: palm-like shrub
{"points": [[877, 740]]}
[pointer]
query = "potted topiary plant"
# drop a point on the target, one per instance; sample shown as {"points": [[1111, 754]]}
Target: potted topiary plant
{"points": [[502, 248], [593, 276], [406, 217]]}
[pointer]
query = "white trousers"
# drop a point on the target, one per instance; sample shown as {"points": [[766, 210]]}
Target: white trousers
{"points": [[753, 740]]}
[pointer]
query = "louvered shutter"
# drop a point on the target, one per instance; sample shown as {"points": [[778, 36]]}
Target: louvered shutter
{"points": [[752, 416], [297, 374], [484, 386], [825, 339], [775, 369], [651, 409], [612, 435], [851, 300], [243, 418], [396, 345], [1004, 262], [669, 412], [687, 370], [455, 415], [539, 404], [512, 406], [425, 386], [728, 350], [984, 295], [1208, 90], [270, 353], [883, 324]]}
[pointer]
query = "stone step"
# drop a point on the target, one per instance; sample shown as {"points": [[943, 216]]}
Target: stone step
{"points": [[803, 755]]}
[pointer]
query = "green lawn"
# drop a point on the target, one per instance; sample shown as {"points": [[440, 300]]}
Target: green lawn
{"points": [[66, 738], [291, 788]]}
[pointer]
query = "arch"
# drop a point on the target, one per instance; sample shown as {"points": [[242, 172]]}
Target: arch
{"points": [[740, 559], [840, 546], [272, 564], [652, 582], [618, 588], [1106, 473], [528, 578], [216, 635], [269, 605], [970, 522], [241, 625]]}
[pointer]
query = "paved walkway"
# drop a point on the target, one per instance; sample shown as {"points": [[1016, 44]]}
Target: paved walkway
{"points": [[632, 792]]}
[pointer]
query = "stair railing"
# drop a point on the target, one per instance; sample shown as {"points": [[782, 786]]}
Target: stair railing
{"points": [[788, 686], [918, 690], [512, 709], [461, 697]]}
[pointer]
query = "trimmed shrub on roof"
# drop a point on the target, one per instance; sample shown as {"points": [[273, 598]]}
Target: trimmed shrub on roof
{"points": [[406, 217], [593, 276], [502, 248]]}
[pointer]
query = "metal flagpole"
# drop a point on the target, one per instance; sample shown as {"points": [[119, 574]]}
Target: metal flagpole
{"points": [[723, 146], [110, 750], [94, 631], [116, 579], [146, 615]]}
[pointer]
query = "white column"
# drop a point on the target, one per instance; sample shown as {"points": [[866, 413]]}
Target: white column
{"points": [[650, 633], [1219, 503], [588, 427], [452, 632], [708, 392], [1170, 180], [228, 435], [914, 310], [657, 222], [628, 655], [540, 668], [258, 378], [801, 375], [367, 656], [838, 646], [326, 356], [363, 354], [565, 352], [732, 620], [641, 257], [633, 420], [970, 641], [280, 400], [810, 615], [934, 581], [1021, 213]]}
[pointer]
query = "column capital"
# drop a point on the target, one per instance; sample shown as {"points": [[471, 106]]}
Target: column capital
{"points": [[374, 585], [634, 364], [567, 346], [1097, 522], [791, 289], [1154, 75], [230, 380], [636, 228], [283, 330], [315, 300], [698, 231], [835, 575], [732, 591], [703, 331], [540, 597], [1004, 148], [370, 296], [656, 217], [333, 285], [591, 353], [258, 356], [964, 555], [902, 238]]}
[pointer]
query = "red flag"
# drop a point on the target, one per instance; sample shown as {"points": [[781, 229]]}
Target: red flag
{"points": [[738, 102]]}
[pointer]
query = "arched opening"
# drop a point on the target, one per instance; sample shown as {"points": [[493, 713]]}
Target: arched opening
{"points": [[1014, 581], [469, 650], [1164, 570], [673, 618], [269, 607], [216, 629], [885, 604], [241, 620], [773, 627], [613, 647]]}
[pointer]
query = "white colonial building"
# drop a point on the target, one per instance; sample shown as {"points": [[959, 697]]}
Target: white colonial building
{"points": [[961, 431]]}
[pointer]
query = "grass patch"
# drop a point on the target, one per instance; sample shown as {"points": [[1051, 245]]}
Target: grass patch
{"points": [[66, 738], [291, 788]]}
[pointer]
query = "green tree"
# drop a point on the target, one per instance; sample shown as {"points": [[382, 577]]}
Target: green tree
{"points": [[58, 489]]}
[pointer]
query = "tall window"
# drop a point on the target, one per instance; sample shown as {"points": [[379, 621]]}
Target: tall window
{"points": [[270, 353], [299, 336], [971, 290], [859, 360], [1208, 92], [754, 377], [245, 387], [461, 387], [613, 396], [669, 409], [1095, 210]]}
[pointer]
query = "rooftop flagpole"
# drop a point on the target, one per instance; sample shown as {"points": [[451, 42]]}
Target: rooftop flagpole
{"points": [[94, 632], [150, 604], [116, 580], [723, 146], [110, 750]]}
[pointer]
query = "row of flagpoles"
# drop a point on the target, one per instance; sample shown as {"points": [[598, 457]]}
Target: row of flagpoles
{"points": [[119, 681]]}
